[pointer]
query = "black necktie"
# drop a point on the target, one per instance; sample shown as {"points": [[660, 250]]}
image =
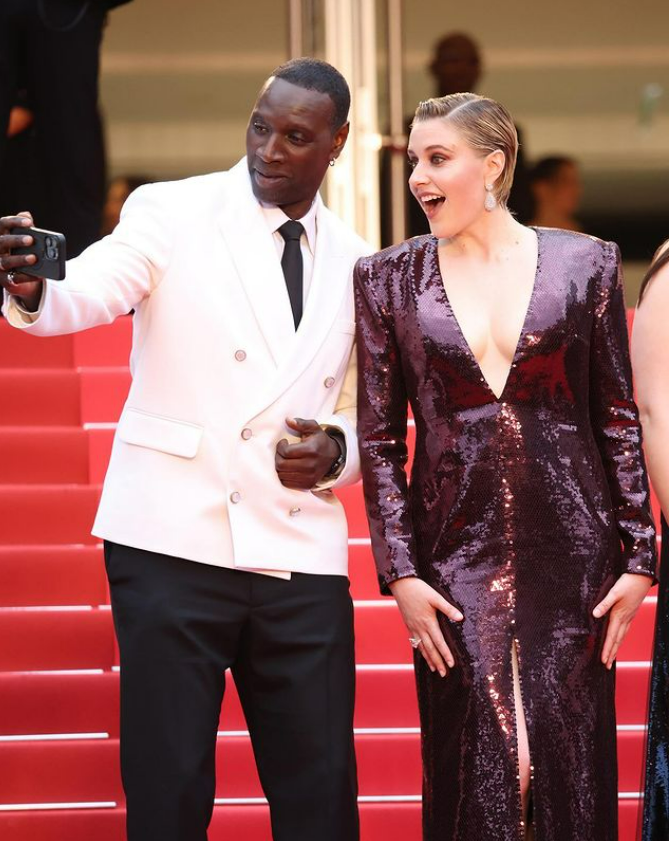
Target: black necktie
{"points": [[291, 263]]}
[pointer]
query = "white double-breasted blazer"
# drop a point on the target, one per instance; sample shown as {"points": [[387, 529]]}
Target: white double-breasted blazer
{"points": [[216, 367]]}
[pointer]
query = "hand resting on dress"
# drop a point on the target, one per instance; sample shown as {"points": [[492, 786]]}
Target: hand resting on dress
{"points": [[621, 603], [418, 604]]}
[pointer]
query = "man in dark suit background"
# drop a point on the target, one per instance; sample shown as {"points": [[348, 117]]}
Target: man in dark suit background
{"points": [[51, 50]]}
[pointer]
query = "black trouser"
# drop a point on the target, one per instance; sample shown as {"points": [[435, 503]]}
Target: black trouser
{"points": [[58, 67], [289, 645]]}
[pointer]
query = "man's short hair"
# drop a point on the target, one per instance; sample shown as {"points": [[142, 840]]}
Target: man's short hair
{"points": [[316, 75], [548, 168]]}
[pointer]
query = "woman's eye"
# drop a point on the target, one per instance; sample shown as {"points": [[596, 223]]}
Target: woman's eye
{"points": [[413, 163], [437, 159], [296, 138]]}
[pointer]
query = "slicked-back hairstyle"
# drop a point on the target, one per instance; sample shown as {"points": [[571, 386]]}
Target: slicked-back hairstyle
{"points": [[485, 125], [316, 75], [546, 169]]}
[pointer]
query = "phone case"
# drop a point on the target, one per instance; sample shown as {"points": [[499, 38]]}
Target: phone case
{"points": [[49, 247]]}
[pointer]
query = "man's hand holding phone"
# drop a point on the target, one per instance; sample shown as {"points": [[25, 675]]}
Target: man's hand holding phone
{"points": [[12, 275]]}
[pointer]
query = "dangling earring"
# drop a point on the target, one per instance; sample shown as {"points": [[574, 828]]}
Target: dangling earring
{"points": [[490, 200], [332, 161]]}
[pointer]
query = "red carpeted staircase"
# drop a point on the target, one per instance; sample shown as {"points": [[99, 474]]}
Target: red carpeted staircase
{"points": [[59, 777]]}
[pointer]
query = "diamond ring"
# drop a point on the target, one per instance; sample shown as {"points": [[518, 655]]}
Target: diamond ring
{"points": [[415, 641], [10, 277]]}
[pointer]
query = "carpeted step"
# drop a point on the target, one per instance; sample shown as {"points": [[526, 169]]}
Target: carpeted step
{"points": [[20, 350], [88, 770], [40, 455], [380, 637], [47, 514], [40, 397], [390, 821], [104, 346], [101, 346], [52, 575], [36, 639], [59, 703], [61, 397], [103, 393], [56, 703]]}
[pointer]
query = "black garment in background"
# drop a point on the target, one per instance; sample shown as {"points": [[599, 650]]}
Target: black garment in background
{"points": [[656, 797], [60, 68], [289, 644], [20, 177]]}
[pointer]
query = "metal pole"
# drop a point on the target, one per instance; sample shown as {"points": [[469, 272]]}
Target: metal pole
{"points": [[398, 140], [295, 29], [350, 44]]}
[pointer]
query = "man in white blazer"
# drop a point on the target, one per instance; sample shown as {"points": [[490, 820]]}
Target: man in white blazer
{"points": [[225, 546]]}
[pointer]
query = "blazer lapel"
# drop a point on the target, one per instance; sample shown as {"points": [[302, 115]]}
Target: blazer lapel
{"points": [[254, 254]]}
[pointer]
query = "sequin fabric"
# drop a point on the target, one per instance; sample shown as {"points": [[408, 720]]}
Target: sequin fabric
{"points": [[656, 798], [522, 511]]}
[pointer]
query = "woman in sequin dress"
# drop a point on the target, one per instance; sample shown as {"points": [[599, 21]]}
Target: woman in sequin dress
{"points": [[523, 545], [649, 344]]}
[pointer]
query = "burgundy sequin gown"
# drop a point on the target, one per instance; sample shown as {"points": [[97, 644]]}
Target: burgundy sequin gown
{"points": [[522, 511]]}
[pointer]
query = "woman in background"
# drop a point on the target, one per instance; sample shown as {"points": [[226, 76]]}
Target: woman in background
{"points": [[505, 553], [649, 357]]}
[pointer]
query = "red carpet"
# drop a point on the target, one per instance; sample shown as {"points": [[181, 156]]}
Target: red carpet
{"points": [[59, 778]]}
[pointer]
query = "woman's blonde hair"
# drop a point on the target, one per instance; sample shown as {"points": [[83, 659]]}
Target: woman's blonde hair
{"points": [[486, 126]]}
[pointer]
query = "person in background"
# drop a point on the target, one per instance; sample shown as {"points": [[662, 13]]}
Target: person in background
{"points": [[20, 179], [456, 67], [649, 358], [118, 192], [557, 189], [524, 544], [52, 49]]}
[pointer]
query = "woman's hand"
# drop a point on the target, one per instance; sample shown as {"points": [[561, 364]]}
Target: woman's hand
{"points": [[621, 603], [418, 604]]}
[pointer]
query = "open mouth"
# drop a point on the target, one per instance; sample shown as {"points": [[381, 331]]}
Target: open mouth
{"points": [[431, 203]]}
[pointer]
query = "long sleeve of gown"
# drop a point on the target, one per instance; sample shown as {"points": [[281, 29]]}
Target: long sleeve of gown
{"points": [[615, 421], [382, 429]]}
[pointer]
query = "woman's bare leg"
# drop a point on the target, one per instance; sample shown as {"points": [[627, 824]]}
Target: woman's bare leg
{"points": [[524, 761]]}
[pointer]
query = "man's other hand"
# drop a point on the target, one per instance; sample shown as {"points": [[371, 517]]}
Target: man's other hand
{"points": [[303, 465]]}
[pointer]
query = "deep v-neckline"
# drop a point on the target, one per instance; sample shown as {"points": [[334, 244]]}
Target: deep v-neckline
{"points": [[523, 330]]}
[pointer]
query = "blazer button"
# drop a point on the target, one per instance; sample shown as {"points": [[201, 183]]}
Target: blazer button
{"points": [[294, 512], [235, 497], [329, 382], [240, 355], [247, 433]]}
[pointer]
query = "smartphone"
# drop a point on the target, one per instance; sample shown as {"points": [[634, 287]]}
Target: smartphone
{"points": [[48, 247]]}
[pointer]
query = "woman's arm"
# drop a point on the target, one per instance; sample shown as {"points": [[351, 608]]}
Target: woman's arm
{"points": [[382, 428], [615, 421], [651, 376]]}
